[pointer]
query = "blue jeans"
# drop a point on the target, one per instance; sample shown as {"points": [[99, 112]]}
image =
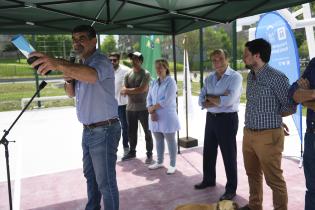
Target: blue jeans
{"points": [[124, 124], [171, 143], [99, 165], [309, 170]]}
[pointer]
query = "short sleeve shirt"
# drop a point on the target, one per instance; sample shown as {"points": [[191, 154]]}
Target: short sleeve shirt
{"points": [[137, 102]]}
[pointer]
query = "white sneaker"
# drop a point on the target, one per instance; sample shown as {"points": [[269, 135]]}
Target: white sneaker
{"points": [[171, 170], [155, 166]]}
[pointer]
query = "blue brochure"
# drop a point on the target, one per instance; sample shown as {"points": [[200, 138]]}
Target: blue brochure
{"points": [[22, 44]]}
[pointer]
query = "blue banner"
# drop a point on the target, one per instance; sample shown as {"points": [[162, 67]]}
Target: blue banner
{"points": [[284, 54]]}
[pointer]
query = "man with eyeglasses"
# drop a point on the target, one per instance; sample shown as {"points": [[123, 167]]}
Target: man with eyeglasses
{"points": [[92, 83], [120, 73]]}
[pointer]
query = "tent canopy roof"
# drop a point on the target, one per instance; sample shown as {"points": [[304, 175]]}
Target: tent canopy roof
{"points": [[127, 16]]}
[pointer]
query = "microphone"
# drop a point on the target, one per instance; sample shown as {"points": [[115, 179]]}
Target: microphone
{"points": [[32, 59], [42, 85], [72, 56]]}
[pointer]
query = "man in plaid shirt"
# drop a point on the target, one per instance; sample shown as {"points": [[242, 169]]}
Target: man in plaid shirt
{"points": [[267, 102]]}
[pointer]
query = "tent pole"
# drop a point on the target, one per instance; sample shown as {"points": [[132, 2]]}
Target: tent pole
{"points": [[36, 75], [99, 42], [186, 141], [185, 80], [234, 45], [201, 56], [175, 76]]}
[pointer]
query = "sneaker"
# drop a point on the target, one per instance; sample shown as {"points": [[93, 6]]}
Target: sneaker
{"points": [[129, 156], [155, 166], [126, 151], [171, 170], [149, 160]]}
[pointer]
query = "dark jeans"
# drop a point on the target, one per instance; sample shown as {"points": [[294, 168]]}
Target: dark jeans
{"points": [[221, 131], [132, 119], [309, 170], [99, 166], [124, 125]]}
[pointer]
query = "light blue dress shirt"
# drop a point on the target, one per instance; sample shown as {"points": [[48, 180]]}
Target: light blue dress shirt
{"points": [[164, 94], [96, 102], [231, 81]]}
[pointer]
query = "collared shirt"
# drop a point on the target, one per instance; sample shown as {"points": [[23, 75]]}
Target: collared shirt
{"points": [[230, 82], [267, 98], [137, 102], [164, 93], [120, 74], [308, 74], [96, 102]]}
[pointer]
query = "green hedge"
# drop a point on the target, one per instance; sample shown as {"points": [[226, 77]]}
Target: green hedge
{"points": [[179, 67]]}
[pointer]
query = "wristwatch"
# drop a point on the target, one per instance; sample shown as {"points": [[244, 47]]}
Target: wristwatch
{"points": [[69, 81]]}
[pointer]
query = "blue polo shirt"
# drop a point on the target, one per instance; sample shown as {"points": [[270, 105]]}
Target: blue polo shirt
{"points": [[96, 102]]}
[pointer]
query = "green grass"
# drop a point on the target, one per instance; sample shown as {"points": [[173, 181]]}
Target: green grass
{"points": [[11, 95], [11, 68], [11, 60], [195, 86]]}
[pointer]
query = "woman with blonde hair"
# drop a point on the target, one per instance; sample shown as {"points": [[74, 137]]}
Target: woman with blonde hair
{"points": [[163, 119]]}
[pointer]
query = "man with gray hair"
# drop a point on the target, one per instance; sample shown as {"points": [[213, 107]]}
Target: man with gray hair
{"points": [[220, 95], [92, 83]]}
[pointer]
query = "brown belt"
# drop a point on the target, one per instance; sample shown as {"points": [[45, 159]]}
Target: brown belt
{"points": [[259, 130], [102, 123]]}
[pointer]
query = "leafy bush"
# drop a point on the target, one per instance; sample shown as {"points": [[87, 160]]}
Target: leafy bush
{"points": [[127, 63], [179, 67]]}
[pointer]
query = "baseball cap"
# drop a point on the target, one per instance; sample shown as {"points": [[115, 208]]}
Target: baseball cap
{"points": [[136, 54]]}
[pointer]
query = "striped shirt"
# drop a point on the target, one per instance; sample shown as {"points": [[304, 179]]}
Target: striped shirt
{"points": [[267, 98]]}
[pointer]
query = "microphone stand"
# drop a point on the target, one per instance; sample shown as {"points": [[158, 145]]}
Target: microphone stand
{"points": [[5, 141]]}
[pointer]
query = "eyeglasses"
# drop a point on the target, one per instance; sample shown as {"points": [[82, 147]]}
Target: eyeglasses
{"points": [[80, 40], [113, 60]]}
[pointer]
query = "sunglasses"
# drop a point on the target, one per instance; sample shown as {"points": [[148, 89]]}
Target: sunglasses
{"points": [[113, 60]]}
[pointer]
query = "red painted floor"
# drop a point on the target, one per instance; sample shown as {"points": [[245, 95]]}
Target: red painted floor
{"points": [[141, 189]]}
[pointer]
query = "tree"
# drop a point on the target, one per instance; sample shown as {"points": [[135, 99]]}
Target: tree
{"points": [[192, 44], [9, 48], [216, 38], [136, 46], [53, 45], [303, 50], [109, 44]]}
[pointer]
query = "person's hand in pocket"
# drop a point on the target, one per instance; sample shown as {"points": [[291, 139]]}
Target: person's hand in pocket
{"points": [[285, 129]]}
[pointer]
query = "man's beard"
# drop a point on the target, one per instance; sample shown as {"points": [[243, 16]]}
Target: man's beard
{"points": [[79, 49]]}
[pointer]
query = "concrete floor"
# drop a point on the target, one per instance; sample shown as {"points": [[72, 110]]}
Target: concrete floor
{"points": [[46, 166]]}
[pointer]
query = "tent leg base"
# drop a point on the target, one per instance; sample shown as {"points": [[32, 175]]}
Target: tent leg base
{"points": [[188, 142]]}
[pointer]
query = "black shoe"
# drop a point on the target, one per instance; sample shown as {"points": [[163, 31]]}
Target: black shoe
{"points": [[203, 185], [244, 208], [227, 196], [129, 156]]}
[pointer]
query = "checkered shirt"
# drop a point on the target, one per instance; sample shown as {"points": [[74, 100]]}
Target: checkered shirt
{"points": [[267, 98]]}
